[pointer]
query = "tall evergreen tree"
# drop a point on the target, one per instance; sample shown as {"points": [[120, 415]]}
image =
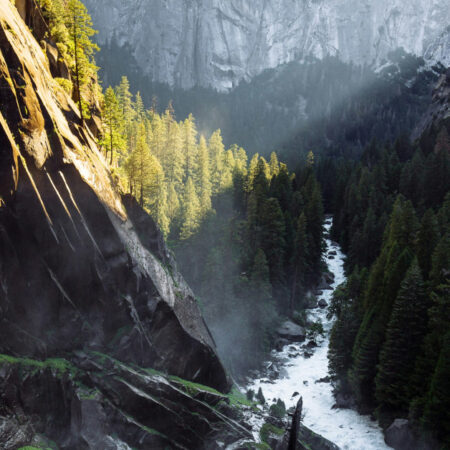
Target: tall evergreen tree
{"points": [[113, 139], [404, 335], [204, 176], [79, 25], [190, 211]]}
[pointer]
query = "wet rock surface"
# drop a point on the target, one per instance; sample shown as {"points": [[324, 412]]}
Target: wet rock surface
{"points": [[399, 435], [292, 332]]}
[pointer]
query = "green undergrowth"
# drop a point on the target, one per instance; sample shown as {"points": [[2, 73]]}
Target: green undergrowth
{"points": [[192, 388], [33, 447], [267, 429], [58, 365], [256, 445]]}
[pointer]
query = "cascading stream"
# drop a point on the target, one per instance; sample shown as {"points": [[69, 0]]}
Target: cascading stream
{"points": [[297, 374]]}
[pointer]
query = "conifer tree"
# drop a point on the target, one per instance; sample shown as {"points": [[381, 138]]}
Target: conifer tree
{"points": [[124, 98], [260, 278], [274, 164], [204, 177], [113, 139], [404, 335], [138, 108], [217, 151], [299, 260], [252, 172], [427, 239], [174, 162], [273, 240], [190, 149], [173, 202], [226, 179], [191, 211], [79, 25], [437, 408], [140, 167]]}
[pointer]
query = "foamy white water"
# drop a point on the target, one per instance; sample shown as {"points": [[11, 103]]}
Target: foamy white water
{"points": [[344, 427]]}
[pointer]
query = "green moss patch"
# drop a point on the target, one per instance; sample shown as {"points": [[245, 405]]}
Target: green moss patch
{"points": [[59, 365], [267, 429]]}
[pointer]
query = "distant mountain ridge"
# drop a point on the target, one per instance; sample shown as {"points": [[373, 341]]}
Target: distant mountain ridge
{"points": [[218, 43]]}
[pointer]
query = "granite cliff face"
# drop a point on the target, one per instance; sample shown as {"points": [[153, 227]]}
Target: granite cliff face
{"points": [[218, 43], [90, 297]]}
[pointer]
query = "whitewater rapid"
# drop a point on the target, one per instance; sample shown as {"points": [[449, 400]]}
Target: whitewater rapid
{"points": [[345, 427]]}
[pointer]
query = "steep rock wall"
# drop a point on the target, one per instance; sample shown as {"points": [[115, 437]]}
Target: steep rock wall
{"points": [[218, 43], [73, 269]]}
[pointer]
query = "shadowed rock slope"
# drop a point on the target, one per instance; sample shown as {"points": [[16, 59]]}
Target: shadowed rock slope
{"points": [[89, 298]]}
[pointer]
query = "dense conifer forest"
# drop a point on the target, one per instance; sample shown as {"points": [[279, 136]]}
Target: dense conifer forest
{"points": [[389, 346]]}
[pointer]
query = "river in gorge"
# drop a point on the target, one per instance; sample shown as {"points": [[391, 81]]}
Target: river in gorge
{"points": [[300, 375]]}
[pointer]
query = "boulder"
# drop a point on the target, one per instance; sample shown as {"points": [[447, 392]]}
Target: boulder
{"points": [[323, 303], [399, 435], [311, 344], [292, 332], [332, 253]]}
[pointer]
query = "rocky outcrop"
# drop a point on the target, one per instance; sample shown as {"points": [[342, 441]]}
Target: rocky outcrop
{"points": [[89, 293], [433, 131], [291, 332], [217, 43], [399, 435]]}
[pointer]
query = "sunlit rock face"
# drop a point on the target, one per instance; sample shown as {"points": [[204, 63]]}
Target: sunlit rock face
{"points": [[217, 43], [90, 296], [77, 262]]}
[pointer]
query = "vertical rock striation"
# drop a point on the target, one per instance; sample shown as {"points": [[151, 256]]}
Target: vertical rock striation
{"points": [[218, 43]]}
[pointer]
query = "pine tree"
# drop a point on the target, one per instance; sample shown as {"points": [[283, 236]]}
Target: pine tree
{"points": [[217, 151], [274, 165], [79, 25], [113, 139], [260, 309], [173, 202], [273, 240], [427, 239], [226, 179], [204, 177], [314, 219], [173, 162], [124, 98], [252, 171], [437, 408], [191, 211], [404, 335], [138, 108], [190, 149], [300, 259], [140, 167]]}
